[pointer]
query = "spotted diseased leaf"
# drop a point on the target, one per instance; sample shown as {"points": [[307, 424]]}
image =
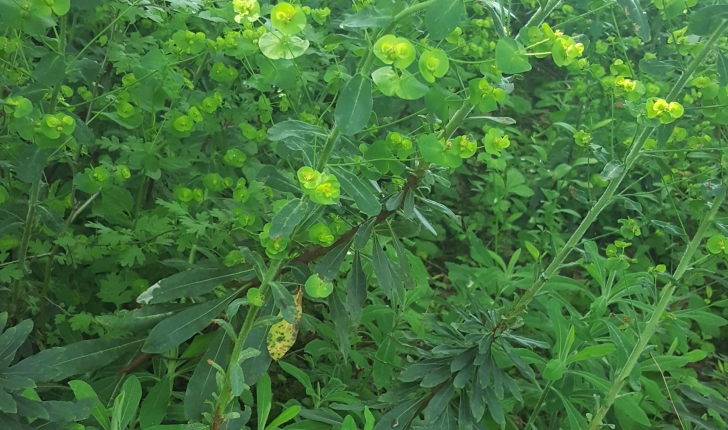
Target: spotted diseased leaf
{"points": [[282, 335]]}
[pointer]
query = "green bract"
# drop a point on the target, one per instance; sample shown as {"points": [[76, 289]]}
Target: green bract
{"points": [[495, 141], [288, 19], [235, 157], [318, 288], [246, 10], [321, 235], [161, 244], [327, 191], [434, 64], [666, 112], [717, 244], [395, 50]]}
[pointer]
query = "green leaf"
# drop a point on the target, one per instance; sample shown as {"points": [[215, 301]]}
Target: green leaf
{"points": [[31, 163], [400, 416], [329, 265], [237, 379], [666, 363], [354, 106], [406, 87], [202, 383], [362, 193], [612, 170], [82, 390], [433, 151], [192, 283], [264, 400], [629, 406], [494, 406], [287, 218], [356, 289], [443, 17], [722, 69], [154, 406], [634, 12], [285, 302], [510, 56], [349, 423], [55, 364], [576, 420], [12, 339], [369, 17], [592, 352], [132, 395], [382, 269], [285, 416], [179, 328], [300, 375], [276, 46], [702, 21], [554, 370]]}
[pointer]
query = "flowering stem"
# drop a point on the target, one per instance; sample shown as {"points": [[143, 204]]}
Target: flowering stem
{"points": [[654, 320], [226, 395], [606, 198]]}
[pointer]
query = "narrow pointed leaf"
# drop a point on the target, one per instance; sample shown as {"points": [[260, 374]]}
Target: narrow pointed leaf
{"points": [[179, 328]]}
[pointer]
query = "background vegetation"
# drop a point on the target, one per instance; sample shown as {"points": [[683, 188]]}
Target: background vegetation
{"points": [[369, 214]]}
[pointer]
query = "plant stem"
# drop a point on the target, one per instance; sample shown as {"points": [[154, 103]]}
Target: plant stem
{"points": [[539, 405], [606, 198], [326, 153], [226, 396], [456, 120], [654, 320], [23, 251], [542, 13]]}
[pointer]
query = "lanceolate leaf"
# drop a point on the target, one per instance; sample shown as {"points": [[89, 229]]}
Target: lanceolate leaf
{"points": [[286, 220], [178, 328], [193, 283], [362, 193], [202, 383], [356, 289], [634, 12], [382, 269], [154, 406], [329, 265], [12, 339], [55, 364], [354, 105]]}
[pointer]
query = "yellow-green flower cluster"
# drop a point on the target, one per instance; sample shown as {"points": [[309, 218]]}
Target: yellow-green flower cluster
{"points": [[395, 50], [321, 188], [666, 112]]}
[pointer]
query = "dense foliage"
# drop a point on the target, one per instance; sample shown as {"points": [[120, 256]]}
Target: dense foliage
{"points": [[377, 214]]}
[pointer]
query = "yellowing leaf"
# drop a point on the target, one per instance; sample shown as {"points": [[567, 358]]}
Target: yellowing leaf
{"points": [[282, 335]]}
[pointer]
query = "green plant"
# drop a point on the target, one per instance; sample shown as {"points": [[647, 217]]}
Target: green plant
{"points": [[312, 214]]}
